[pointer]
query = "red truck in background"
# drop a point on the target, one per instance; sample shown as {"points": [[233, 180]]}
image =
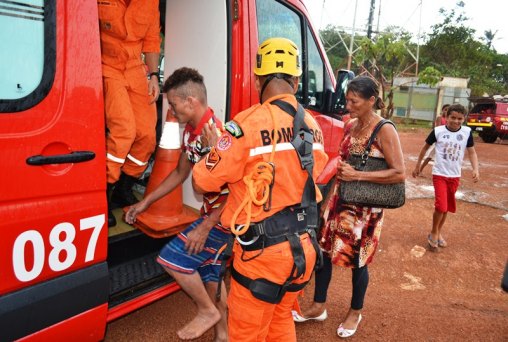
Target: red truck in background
{"points": [[63, 274], [489, 117]]}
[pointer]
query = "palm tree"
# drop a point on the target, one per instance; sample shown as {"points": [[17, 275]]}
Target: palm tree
{"points": [[489, 38]]}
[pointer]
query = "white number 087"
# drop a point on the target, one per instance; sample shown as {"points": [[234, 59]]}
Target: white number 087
{"points": [[58, 245]]}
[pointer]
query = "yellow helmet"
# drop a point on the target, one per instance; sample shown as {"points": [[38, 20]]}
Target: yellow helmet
{"points": [[277, 55]]}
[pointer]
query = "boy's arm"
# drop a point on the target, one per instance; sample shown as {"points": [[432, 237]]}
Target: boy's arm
{"points": [[473, 159], [437, 122], [431, 139], [424, 149]]}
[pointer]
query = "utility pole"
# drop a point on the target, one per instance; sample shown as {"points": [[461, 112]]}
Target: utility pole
{"points": [[418, 40], [369, 32], [322, 11], [350, 52], [371, 18]]}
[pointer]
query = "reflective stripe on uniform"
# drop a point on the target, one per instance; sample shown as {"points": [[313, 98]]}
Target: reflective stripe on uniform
{"points": [[115, 159], [280, 147], [136, 161]]}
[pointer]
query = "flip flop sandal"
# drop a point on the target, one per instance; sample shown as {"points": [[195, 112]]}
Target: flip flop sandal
{"points": [[442, 243], [432, 243]]}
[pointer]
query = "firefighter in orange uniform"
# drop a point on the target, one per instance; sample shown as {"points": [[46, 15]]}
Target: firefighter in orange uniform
{"points": [[271, 207], [128, 29]]}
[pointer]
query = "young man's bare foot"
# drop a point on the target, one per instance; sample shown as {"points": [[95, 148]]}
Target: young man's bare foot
{"points": [[221, 330], [199, 325], [315, 310], [221, 338]]}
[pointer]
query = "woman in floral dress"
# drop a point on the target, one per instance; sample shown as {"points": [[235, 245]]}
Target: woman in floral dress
{"points": [[350, 233]]}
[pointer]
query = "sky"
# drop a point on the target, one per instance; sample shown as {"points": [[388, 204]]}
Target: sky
{"points": [[483, 15]]}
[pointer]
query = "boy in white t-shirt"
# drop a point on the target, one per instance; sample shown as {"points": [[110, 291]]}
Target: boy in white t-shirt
{"points": [[429, 155], [451, 142]]}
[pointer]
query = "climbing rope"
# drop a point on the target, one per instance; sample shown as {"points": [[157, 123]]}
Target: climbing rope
{"points": [[258, 183]]}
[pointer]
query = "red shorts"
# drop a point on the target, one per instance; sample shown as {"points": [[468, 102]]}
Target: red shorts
{"points": [[444, 191]]}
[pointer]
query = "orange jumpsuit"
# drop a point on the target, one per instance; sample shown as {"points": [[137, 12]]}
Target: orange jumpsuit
{"points": [[233, 157], [127, 29]]}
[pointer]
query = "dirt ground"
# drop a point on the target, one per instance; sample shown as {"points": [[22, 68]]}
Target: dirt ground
{"points": [[453, 295]]}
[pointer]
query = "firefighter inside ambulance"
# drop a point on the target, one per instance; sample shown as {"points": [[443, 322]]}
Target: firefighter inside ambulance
{"points": [[129, 30]]}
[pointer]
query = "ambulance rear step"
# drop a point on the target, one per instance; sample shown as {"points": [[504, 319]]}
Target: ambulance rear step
{"points": [[133, 270]]}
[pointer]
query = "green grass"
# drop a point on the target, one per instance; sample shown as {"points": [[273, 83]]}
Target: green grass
{"points": [[411, 125]]}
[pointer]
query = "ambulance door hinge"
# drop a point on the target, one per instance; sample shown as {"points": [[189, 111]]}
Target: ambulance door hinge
{"points": [[236, 10]]}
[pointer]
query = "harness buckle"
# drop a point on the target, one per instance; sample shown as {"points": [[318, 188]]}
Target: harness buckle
{"points": [[254, 238], [301, 216]]}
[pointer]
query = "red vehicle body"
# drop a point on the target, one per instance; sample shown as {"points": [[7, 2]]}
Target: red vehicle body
{"points": [[489, 117], [63, 273]]}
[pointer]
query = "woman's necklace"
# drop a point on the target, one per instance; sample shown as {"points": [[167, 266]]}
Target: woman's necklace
{"points": [[360, 130]]}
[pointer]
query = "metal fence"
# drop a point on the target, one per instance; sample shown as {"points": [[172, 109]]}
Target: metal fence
{"points": [[422, 102]]}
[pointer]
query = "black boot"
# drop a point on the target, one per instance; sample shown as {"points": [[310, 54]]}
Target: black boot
{"points": [[122, 195], [111, 217]]}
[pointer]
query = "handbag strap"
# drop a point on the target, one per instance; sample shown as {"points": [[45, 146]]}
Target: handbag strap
{"points": [[365, 154]]}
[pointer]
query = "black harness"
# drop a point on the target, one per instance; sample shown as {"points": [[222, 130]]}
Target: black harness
{"points": [[286, 225]]}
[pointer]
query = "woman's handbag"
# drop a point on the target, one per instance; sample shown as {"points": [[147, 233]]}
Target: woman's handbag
{"points": [[371, 194]]}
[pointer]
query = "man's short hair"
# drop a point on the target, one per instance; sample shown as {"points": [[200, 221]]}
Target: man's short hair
{"points": [[186, 82]]}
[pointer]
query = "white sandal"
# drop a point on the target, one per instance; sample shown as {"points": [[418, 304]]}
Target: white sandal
{"points": [[299, 319], [348, 332]]}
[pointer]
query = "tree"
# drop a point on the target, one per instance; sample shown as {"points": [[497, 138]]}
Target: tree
{"points": [[452, 49], [430, 76], [489, 38], [386, 56]]}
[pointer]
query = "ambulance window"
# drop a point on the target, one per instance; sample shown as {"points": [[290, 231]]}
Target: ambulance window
{"points": [[27, 33], [315, 71], [277, 20]]}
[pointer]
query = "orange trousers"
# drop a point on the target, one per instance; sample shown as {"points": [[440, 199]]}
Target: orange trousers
{"points": [[251, 319], [131, 120]]}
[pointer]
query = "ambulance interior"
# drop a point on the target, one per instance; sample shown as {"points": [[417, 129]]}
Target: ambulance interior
{"points": [[194, 34]]}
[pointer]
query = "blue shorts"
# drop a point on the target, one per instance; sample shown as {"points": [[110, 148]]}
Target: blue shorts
{"points": [[174, 256]]}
